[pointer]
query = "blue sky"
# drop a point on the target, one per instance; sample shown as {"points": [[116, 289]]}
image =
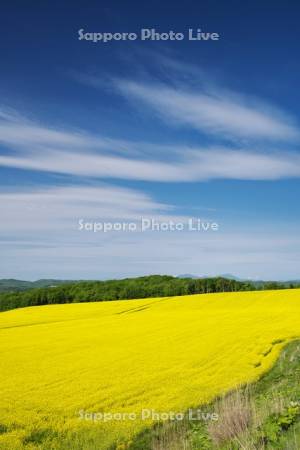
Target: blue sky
{"points": [[167, 130]]}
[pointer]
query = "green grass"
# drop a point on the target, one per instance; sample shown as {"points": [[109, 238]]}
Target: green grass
{"points": [[264, 415]]}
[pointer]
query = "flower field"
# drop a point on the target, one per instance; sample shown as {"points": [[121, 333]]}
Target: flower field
{"points": [[62, 363]]}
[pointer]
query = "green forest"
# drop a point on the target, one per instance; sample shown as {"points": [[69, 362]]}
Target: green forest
{"points": [[129, 288]]}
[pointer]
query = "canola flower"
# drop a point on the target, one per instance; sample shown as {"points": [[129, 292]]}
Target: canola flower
{"points": [[61, 362]]}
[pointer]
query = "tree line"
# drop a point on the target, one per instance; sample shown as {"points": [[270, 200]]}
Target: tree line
{"points": [[130, 288]]}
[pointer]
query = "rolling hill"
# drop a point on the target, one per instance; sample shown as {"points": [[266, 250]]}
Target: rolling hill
{"points": [[12, 285], [69, 372]]}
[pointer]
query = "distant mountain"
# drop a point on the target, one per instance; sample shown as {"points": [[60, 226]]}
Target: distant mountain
{"points": [[188, 275], [12, 285], [229, 276], [225, 275]]}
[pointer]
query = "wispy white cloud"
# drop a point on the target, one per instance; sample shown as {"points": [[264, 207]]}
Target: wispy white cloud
{"points": [[215, 111], [244, 164], [95, 165], [57, 209], [20, 134], [31, 146], [196, 165], [184, 94]]}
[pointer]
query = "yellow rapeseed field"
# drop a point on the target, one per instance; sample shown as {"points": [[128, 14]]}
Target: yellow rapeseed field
{"points": [[60, 362]]}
